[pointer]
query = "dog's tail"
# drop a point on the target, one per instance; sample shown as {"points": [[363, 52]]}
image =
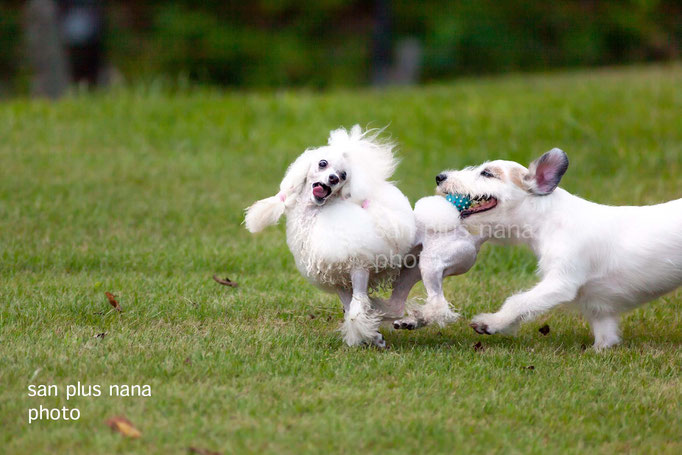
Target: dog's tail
{"points": [[267, 212], [264, 213]]}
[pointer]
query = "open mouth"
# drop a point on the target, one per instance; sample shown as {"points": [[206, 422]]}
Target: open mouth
{"points": [[478, 204], [321, 192]]}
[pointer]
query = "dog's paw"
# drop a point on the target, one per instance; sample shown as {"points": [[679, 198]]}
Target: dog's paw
{"points": [[408, 323], [604, 344], [480, 328], [487, 324], [377, 341]]}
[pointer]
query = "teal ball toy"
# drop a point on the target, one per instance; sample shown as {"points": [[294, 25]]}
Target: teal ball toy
{"points": [[460, 201]]}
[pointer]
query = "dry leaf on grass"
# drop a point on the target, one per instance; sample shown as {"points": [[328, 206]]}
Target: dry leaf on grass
{"points": [[544, 330], [225, 281], [124, 426], [199, 451], [479, 347], [112, 301]]}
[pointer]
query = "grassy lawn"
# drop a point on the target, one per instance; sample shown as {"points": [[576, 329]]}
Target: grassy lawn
{"points": [[141, 193]]}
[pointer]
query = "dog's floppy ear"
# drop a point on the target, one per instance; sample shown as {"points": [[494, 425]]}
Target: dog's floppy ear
{"points": [[296, 174], [267, 212], [545, 173]]}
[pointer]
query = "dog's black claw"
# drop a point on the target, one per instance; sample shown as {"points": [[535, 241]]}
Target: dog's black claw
{"points": [[405, 325], [481, 329]]}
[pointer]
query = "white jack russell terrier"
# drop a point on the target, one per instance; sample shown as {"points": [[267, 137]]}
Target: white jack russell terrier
{"points": [[604, 260]]}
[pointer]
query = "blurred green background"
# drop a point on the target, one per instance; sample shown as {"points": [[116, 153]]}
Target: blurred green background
{"points": [[328, 43]]}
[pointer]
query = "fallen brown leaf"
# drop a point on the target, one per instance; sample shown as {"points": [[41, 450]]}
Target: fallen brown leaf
{"points": [[544, 330], [199, 451], [124, 426], [531, 367], [225, 281], [112, 301], [479, 347]]}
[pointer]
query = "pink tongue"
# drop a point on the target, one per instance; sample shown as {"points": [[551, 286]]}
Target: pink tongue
{"points": [[319, 191]]}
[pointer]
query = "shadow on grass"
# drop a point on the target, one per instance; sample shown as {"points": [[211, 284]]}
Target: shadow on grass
{"points": [[579, 340]]}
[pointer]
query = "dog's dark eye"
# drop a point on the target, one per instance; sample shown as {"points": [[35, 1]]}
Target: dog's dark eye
{"points": [[323, 164], [343, 175], [487, 174]]}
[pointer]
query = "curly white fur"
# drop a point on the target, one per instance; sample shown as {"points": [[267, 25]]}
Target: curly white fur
{"points": [[360, 324], [348, 227]]}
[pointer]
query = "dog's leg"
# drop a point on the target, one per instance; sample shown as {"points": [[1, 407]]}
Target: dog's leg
{"points": [[444, 258], [410, 275], [443, 255], [550, 292], [346, 296], [606, 331], [412, 320], [394, 307], [361, 325], [436, 310]]}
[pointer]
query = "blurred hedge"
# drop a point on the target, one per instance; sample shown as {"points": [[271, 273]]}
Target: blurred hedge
{"points": [[329, 42], [10, 44]]}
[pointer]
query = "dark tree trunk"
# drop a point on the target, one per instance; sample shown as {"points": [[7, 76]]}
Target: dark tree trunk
{"points": [[50, 76]]}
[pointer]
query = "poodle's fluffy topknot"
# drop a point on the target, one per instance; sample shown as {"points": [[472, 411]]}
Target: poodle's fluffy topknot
{"points": [[366, 149], [371, 159]]}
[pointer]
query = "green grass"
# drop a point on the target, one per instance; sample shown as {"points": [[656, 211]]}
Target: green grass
{"points": [[141, 192]]}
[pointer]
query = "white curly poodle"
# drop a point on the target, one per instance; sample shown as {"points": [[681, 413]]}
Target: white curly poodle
{"points": [[348, 227]]}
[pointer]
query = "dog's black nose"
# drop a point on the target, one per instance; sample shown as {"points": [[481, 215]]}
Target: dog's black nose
{"points": [[333, 179], [440, 178]]}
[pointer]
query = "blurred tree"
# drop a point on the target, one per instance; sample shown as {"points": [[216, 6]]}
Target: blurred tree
{"points": [[10, 30], [82, 30], [45, 50], [322, 43], [382, 43]]}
